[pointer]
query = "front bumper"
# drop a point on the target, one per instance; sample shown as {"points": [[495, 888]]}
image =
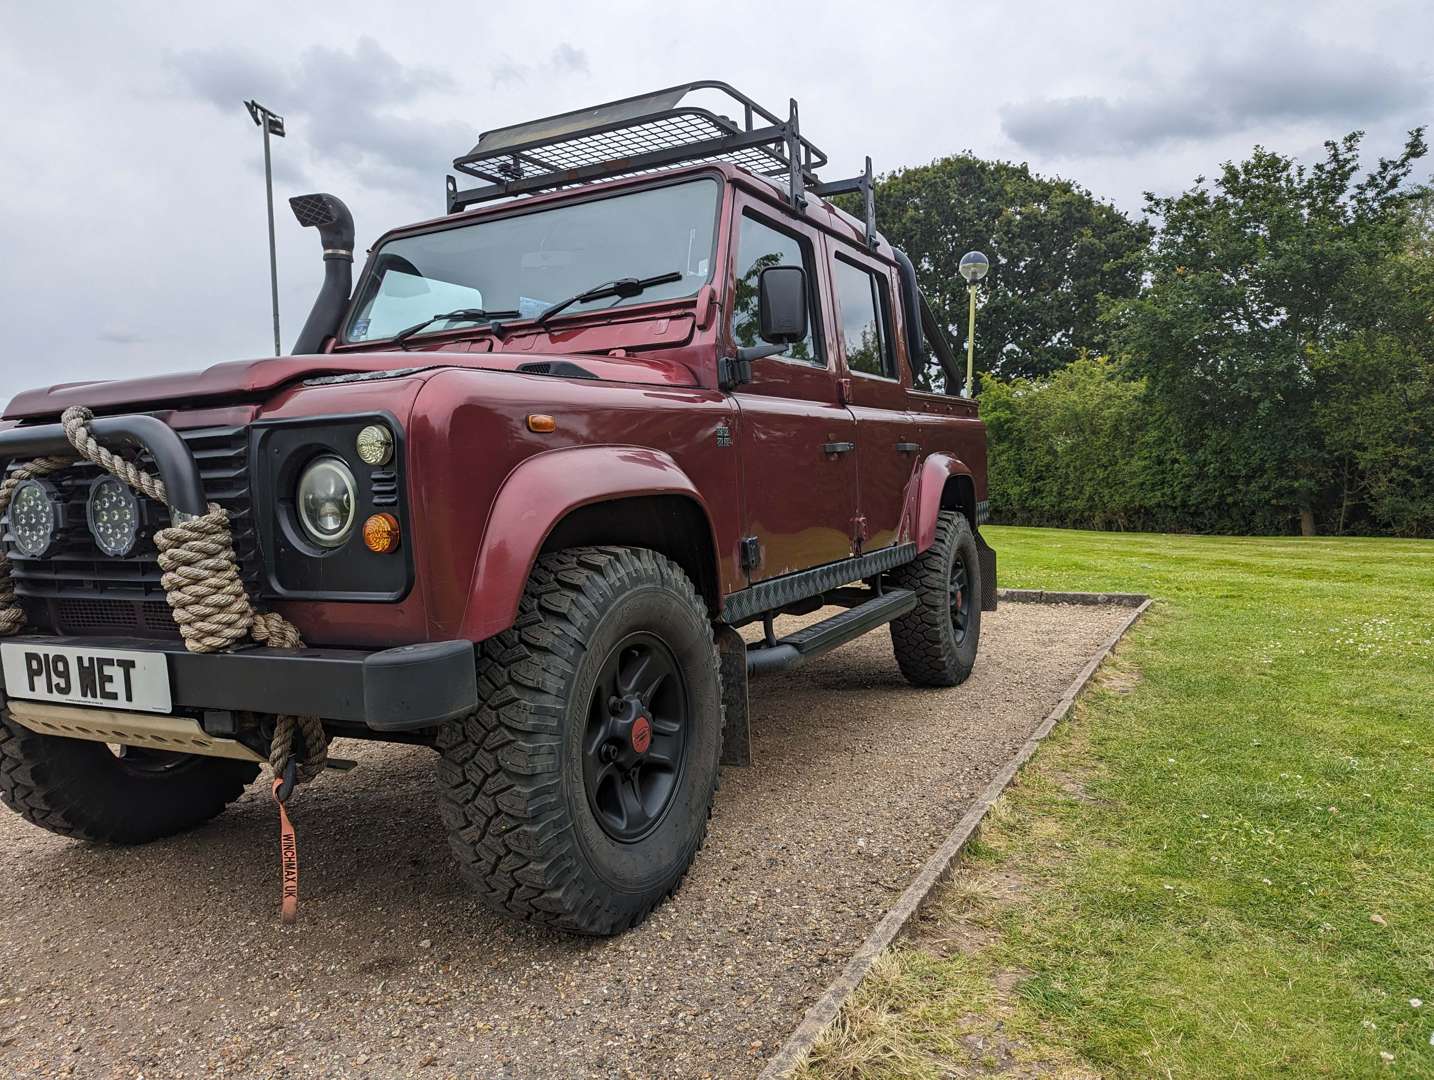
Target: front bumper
{"points": [[400, 689]]}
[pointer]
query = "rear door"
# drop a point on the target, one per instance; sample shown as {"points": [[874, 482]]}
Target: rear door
{"points": [[795, 438], [888, 449]]}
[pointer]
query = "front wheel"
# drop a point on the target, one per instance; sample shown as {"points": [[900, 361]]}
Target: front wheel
{"points": [[128, 795], [577, 795], [936, 643]]}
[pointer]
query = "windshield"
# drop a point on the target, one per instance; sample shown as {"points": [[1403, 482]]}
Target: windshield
{"points": [[529, 261]]}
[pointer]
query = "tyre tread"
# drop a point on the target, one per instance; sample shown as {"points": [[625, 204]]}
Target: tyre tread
{"points": [[32, 768], [499, 782], [922, 639]]}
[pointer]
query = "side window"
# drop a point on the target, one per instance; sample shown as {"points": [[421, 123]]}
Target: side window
{"points": [[758, 247], [931, 378], [862, 308]]}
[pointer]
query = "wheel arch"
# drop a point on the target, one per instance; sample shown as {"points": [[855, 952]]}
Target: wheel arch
{"points": [[672, 524], [580, 496], [945, 483]]}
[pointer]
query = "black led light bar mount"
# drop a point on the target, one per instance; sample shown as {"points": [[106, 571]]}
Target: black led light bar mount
{"points": [[645, 133]]}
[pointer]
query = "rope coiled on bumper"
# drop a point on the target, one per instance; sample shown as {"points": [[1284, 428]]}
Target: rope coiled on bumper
{"points": [[200, 576]]}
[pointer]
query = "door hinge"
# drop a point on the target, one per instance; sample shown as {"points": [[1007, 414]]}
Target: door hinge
{"points": [[843, 391], [750, 552]]}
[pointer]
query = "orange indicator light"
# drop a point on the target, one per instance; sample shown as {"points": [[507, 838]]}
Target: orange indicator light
{"points": [[541, 422], [380, 533]]}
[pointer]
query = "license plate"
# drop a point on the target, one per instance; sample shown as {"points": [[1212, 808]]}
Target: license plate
{"points": [[113, 678]]}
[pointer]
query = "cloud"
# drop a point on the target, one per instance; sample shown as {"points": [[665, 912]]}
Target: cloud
{"points": [[507, 73], [570, 59], [1290, 81], [286, 173], [566, 59], [119, 335], [344, 106]]}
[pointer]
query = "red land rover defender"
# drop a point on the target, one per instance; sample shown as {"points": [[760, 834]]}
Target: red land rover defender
{"points": [[641, 385]]}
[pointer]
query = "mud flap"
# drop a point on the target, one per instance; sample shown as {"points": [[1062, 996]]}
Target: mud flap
{"points": [[988, 573], [736, 730]]}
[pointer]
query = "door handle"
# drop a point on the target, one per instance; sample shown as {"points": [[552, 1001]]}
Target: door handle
{"points": [[907, 447], [838, 447]]}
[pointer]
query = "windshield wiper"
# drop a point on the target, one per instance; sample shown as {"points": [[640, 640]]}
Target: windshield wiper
{"points": [[625, 288], [466, 314]]}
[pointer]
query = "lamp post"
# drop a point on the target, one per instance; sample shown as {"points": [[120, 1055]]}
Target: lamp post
{"points": [[270, 124], [973, 268]]}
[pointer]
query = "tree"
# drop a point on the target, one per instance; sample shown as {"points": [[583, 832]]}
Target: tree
{"points": [[1055, 251], [1251, 282], [1376, 412]]}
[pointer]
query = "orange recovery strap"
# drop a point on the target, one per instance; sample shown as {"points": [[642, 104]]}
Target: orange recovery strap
{"points": [[288, 861]]}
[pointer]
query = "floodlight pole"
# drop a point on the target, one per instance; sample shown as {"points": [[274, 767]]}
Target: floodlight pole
{"points": [[268, 122], [971, 339]]}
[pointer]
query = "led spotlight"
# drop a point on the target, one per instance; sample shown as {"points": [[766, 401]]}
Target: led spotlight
{"points": [[113, 511], [375, 445], [34, 517]]}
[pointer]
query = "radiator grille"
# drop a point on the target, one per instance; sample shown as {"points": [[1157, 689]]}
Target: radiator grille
{"points": [[77, 589]]}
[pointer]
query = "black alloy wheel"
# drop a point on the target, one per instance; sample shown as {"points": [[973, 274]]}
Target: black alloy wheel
{"points": [[635, 747], [960, 595]]}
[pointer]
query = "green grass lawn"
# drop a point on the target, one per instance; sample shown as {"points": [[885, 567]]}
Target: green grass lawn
{"points": [[1224, 865]]}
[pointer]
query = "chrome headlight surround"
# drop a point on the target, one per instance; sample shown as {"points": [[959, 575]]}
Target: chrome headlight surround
{"points": [[326, 499], [35, 517], [114, 516]]}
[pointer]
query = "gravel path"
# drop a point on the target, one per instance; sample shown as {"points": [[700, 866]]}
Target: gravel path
{"points": [[168, 960]]}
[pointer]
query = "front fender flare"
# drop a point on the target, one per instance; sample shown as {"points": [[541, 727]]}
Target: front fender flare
{"points": [[535, 497]]}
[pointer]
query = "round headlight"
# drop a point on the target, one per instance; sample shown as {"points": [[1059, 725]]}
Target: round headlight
{"points": [[34, 517], [113, 511], [375, 445], [327, 501]]}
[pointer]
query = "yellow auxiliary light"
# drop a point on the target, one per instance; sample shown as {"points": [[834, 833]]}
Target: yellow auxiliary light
{"points": [[380, 533]]}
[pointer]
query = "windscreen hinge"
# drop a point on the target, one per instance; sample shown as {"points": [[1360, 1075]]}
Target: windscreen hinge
{"points": [[733, 371]]}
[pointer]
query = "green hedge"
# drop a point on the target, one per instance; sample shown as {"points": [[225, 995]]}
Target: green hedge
{"points": [[1091, 448], [1080, 449]]}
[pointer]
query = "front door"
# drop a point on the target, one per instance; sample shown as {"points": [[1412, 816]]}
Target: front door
{"points": [[796, 439]]}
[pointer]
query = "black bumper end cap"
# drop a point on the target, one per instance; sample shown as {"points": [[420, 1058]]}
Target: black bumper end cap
{"points": [[417, 686]]}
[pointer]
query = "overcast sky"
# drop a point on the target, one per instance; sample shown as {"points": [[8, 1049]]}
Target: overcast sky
{"points": [[131, 193]]}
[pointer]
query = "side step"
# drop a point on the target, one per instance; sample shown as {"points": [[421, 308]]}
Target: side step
{"points": [[794, 649]]}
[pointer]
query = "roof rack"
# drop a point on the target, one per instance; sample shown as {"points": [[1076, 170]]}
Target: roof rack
{"points": [[646, 133]]}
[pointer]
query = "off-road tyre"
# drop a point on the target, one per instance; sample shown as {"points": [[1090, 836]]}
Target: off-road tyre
{"points": [[513, 790], [82, 790], [930, 648]]}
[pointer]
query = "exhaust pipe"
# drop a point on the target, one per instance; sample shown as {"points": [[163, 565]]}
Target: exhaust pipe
{"points": [[336, 230]]}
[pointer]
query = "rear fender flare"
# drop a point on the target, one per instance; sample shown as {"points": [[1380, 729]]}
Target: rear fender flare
{"points": [[536, 496], [944, 483]]}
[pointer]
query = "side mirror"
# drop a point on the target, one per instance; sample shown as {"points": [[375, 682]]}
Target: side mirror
{"points": [[781, 321], [782, 304]]}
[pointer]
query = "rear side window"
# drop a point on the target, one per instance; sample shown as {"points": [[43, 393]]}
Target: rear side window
{"points": [[758, 247], [865, 329]]}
